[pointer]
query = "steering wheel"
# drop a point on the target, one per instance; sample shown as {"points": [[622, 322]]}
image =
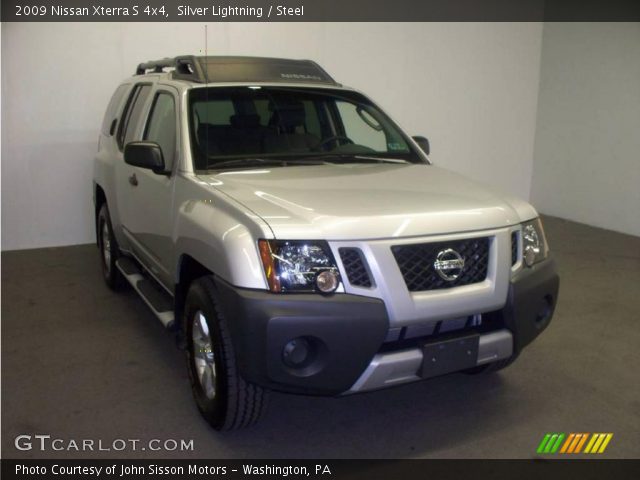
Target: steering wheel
{"points": [[338, 139]]}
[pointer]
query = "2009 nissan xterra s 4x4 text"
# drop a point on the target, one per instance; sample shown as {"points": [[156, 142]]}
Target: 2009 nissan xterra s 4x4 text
{"points": [[298, 240]]}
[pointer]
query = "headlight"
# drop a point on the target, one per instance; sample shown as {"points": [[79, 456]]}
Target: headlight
{"points": [[299, 266], [534, 243]]}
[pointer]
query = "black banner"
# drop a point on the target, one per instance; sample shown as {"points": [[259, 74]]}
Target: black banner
{"points": [[318, 10], [325, 469]]}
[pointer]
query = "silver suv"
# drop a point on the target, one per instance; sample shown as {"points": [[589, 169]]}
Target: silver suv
{"points": [[298, 240]]}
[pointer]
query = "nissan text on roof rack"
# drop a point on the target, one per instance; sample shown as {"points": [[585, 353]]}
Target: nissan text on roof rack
{"points": [[296, 239]]}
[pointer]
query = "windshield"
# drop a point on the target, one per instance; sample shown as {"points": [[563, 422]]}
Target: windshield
{"points": [[279, 123]]}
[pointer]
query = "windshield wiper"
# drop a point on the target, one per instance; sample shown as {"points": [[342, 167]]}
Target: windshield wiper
{"points": [[255, 161], [381, 159], [310, 160], [351, 158]]}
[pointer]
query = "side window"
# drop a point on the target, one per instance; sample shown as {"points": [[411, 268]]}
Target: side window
{"points": [[161, 127], [112, 108], [363, 131], [132, 113]]}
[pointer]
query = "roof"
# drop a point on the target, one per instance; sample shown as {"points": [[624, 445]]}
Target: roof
{"points": [[210, 69]]}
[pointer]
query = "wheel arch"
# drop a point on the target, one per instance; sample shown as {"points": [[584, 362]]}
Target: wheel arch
{"points": [[99, 199], [189, 269]]}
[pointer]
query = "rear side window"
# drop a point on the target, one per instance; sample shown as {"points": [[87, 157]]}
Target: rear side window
{"points": [[161, 127], [132, 113], [112, 108]]}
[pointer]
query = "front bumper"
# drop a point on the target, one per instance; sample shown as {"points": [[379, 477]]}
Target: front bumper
{"points": [[346, 335]]}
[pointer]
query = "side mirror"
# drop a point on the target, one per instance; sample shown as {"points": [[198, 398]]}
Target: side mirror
{"points": [[145, 155], [423, 143]]}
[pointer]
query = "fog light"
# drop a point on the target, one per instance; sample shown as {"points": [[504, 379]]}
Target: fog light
{"points": [[327, 281], [296, 352], [546, 310]]}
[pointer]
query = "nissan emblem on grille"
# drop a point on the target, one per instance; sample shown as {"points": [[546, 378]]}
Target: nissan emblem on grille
{"points": [[432, 265], [449, 264]]}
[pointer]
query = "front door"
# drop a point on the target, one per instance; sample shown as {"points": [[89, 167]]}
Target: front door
{"points": [[150, 209]]}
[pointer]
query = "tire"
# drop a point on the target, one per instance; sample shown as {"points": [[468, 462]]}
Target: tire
{"points": [[223, 397], [492, 367], [109, 251]]}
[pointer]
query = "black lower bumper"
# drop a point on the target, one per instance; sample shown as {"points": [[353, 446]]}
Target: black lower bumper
{"points": [[532, 299], [343, 332]]}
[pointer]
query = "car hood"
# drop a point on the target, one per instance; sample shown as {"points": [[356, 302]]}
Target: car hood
{"points": [[367, 201]]}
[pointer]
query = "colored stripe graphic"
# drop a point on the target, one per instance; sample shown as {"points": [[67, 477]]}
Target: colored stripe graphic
{"points": [[581, 442], [573, 443], [555, 447], [567, 443], [550, 443], [606, 442], [591, 442], [598, 443], [543, 443]]}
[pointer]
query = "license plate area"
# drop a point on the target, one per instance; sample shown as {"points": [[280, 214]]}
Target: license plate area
{"points": [[451, 355]]}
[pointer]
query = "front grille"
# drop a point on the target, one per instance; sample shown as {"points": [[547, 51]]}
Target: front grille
{"points": [[416, 263], [514, 248], [355, 267]]}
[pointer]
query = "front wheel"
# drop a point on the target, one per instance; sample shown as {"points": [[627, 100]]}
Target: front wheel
{"points": [[223, 397], [109, 251]]}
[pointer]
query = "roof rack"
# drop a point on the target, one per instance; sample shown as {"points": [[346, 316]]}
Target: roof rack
{"points": [[185, 67], [209, 69]]}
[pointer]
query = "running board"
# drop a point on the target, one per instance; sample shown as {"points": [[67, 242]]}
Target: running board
{"points": [[157, 299]]}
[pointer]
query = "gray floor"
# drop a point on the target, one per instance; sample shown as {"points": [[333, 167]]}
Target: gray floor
{"points": [[79, 361]]}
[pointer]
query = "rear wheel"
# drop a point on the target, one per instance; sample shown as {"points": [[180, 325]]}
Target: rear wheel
{"points": [[109, 251], [223, 397]]}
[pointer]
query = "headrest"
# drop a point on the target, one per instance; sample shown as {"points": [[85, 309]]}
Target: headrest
{"points": [[245, 121], [287, 115]]}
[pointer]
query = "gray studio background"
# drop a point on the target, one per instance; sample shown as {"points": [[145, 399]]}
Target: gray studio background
{"points": [[549, 112]]}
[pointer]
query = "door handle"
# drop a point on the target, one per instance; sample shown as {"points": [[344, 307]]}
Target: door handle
{"points": [[133, 180]]}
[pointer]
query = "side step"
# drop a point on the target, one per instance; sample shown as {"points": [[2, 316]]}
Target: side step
{"points": [[153, 295]]}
